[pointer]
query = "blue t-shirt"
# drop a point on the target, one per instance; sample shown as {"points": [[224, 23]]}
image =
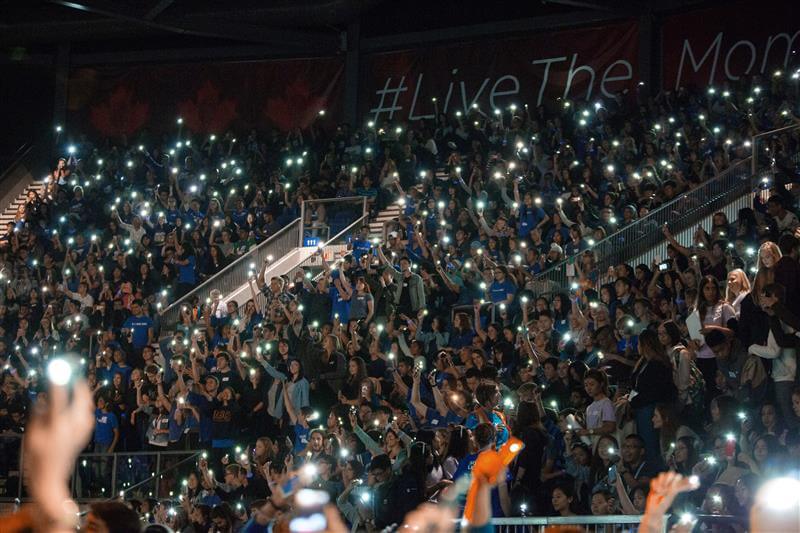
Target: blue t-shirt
{"points": [[186, 272], [437, 421], [300, 438], [252, 527], [339, 306], [173, 215], [124, 370], [361, 247], [204, 409], [105, 424], [464, 467], [139, 326], [472, 422], [500, 291], [529, 218], [239, 217]]}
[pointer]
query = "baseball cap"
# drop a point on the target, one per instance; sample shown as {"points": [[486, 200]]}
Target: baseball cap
{"points": [[556, 248]]}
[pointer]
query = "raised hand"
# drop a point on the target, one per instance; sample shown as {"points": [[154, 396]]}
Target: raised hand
{"points": [[69, 424]]}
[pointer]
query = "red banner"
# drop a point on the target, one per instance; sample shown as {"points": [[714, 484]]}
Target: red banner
{"points": [[211, 98], [577, 64], [729, 42]]}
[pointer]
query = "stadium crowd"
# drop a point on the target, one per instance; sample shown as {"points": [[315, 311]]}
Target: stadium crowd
{"points": [[381, 381]]}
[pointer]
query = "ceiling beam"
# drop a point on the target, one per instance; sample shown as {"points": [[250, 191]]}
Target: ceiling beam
{"points": [[210, 26], [580, 3], [157, 9], [487, 30], [251, 52]]}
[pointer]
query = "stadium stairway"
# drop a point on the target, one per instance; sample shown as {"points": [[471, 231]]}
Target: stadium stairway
{"points": [[283, 257], [390, 214], [9, 213]]}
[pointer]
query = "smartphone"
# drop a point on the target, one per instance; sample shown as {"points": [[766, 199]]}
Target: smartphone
{"points": [[730, 447], [309, 514], [662, 267], [612, 474]]}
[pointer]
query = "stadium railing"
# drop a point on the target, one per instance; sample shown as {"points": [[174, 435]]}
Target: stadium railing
{"points": [[642, 240], [100, 476], [610, 524], [644, 234], [284, 252]]}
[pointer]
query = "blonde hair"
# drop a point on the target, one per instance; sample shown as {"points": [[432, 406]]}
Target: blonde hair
{"points": [[772, 247], [743, 280]]}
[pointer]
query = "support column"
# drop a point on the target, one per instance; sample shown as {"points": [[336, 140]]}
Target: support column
{"points": [[62, 80], [648, 61], [351, 72]]}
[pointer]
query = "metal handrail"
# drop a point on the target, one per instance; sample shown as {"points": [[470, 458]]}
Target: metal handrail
{"points": [[238, 267], [757, 137], [26, 149], [161, 473], [567, 520], [645, 224], [114, 457], [230, 266], [525, 523], [363, 199]]}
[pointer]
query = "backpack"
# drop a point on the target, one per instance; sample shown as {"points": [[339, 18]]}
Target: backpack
{"points": [[697, 382]]}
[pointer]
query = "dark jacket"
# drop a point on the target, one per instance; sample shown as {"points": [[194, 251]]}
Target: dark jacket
{"points": [[787, 273], [653, 384]]}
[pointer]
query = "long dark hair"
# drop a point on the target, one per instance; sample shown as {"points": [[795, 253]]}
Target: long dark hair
{"points": [[597, 469], [691, 459], [300, 373], [702, 306], [360, 375], [527, 417], [651, 349], [669, 425], [458, 445], [673, 331], [417, 466]]}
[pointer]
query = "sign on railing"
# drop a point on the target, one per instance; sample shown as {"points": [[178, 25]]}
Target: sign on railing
{"points": [[282, 253], [236, 274]]}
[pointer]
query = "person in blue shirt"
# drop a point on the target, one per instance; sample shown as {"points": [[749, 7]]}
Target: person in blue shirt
{"points": [[488, 398], [501, 290], [529, 215], [299, 422], [194, 213], [239, 216], [340, 292], [106, 427], [120, 366], [360, 244], [140, 326], [485, 437], [185, 261]]}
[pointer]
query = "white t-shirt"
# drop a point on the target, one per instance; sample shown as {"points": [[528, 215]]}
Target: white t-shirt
{"points": [[715, 316], [788, 222], [600, 411]]}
